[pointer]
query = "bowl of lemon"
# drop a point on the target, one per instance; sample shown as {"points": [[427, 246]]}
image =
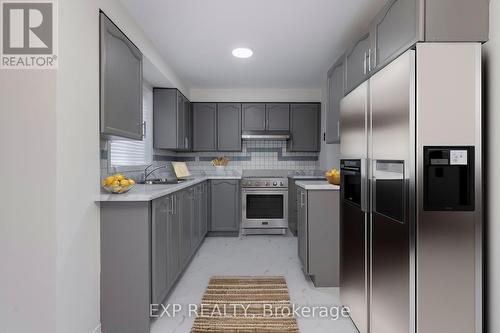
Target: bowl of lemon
{"points": [[117, 184], [333, 176]]}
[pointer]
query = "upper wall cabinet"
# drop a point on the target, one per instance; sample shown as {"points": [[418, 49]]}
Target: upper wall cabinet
{"points": [[228, 127], [204, 126], [278, 117], [402, 23], [254, 117], [304, 123], [357, 62], [172, 120], [266, 117], [121, 83], [336, 79]]}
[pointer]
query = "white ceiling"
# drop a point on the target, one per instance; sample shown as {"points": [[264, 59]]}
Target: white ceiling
{"points": [[294, 41]]}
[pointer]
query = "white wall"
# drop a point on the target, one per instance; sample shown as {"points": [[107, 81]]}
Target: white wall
{"points": [[492, 154], [28, 207], [255, 95], [78, 154]]}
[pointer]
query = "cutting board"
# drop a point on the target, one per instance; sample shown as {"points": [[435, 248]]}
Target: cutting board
{"points": [[181, 170]]}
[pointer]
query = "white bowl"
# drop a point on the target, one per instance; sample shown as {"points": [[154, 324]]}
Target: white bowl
{"points": [[220, 168]]}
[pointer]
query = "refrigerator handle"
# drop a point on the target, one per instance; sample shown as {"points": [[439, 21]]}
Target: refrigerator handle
{"points": [[364, 185]]}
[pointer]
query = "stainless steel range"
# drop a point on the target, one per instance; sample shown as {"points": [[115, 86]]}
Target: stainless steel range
{"points": [[264, 202]]}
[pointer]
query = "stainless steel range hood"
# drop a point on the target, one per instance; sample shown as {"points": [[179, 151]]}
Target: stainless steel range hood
{"points": [[265, 135]]}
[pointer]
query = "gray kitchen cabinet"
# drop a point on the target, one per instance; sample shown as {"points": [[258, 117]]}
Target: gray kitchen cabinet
{"points": [[228, 127], [278, 117], [224, 206], [121, 83], [160, 249], [172, 120], [196, 224], [302, 228], [292, 198], [145, 248], [254, 117], [204, 126], [200, 212], [357, 62], [174, 233], [336, 81], [396, 29], [402, 23], [318, 235], [304, 125], [186, 222], [204, 210]]}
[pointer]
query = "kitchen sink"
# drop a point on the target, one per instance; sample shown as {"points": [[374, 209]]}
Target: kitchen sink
{"points": [[160, 181]]}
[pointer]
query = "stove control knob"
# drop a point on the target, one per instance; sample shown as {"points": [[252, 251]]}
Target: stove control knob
{"points": [[267, 183], [275, 184], [281, 183]]}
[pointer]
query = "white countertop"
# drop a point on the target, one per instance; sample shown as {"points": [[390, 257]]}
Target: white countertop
{"points": [[317, 185], [307, 176], [150, 192]]}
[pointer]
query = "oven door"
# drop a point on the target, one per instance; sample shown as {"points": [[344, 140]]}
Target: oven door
{"points": [[263, 209]]}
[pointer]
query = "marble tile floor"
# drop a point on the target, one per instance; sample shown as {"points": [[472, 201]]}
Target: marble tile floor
{"points": [[254, 256]]}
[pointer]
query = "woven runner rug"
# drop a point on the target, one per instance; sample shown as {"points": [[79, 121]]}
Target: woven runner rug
{"points": [[246, 305]]}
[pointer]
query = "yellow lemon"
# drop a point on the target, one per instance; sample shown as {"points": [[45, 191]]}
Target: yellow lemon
{"points": [[119, 177], [124, 182], [109, 180], [131, 181]]}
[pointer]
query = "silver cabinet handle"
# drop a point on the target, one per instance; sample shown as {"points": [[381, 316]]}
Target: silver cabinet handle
{"points": [[338, 129], [364, 64], [369, 60]]}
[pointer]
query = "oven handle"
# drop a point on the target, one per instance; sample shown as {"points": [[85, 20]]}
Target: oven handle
{"points": [[261, 191]]}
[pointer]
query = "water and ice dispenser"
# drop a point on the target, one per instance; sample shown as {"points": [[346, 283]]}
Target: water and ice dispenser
{"points": [[449, 178]]}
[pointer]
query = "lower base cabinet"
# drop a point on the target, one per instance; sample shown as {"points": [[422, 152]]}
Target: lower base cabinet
{"points": [[145, 248], [224, 207], [318, 235]]}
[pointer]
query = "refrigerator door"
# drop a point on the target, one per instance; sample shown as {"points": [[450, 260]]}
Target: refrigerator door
{"points": [[449, 242], [353, 209], [391, 152]]}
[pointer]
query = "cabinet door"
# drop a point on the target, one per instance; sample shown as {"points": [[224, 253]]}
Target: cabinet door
{"points": [[165, 114], [254, 117], [204, 127], [204, 210], [186, 217], [357, 63], [174, 263], [396, 29], [181, 122], [304, 121], [159, 239], [196, 221], [188, 125], [302, 228], [278, 117], [229, 127], [225, 205], [336, 80], [121, 83]]}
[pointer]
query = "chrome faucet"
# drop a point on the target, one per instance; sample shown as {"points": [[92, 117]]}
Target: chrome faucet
{"points": [[147, 174]]}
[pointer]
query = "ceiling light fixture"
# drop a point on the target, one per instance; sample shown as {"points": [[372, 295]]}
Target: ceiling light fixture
{"points": [[242, 52]]}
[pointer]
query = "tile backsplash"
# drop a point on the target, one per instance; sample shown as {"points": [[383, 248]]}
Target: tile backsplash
{"points": [[254, 155]]}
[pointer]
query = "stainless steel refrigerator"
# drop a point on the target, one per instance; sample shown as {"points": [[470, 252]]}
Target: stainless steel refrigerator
{"points": [[411, 210]]}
